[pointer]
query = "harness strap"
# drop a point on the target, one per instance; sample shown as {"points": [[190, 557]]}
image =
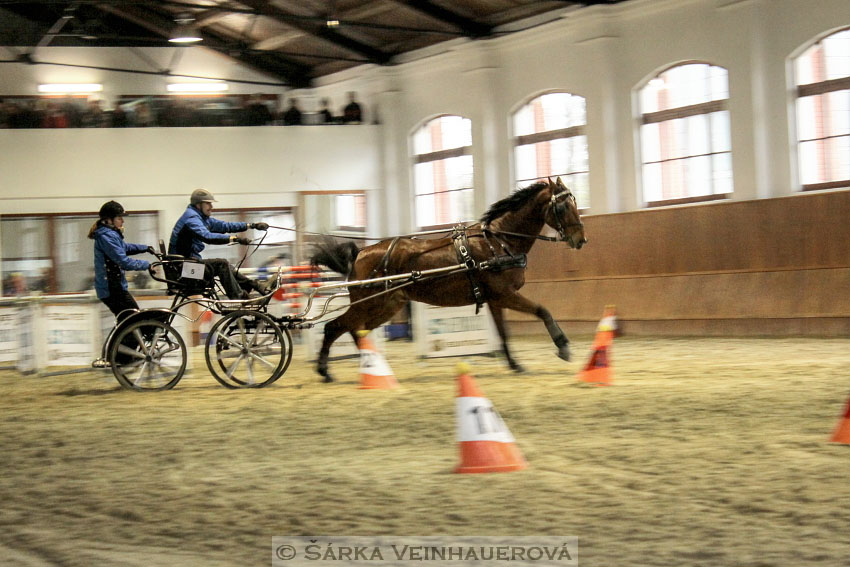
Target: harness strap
{"points": [[383, 265], [461, 242]]}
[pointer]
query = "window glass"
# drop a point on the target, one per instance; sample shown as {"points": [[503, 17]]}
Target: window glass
{"points": [[350, 211], [549, 141], [443, 184], [823, 113], [26, 254], [255, 256], [685, 139]]}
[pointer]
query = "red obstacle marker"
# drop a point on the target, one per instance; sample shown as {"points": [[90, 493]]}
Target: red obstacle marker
{"points": [[842, 432], [486, 444]]}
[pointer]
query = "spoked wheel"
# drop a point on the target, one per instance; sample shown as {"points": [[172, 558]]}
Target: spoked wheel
{"points": [[247, 349], [148, 355]]}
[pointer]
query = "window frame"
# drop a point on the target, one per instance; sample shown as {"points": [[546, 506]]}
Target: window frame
{"points": [[436, 156], [53, 253], [805, 90], [549, 136], [706, 108]]}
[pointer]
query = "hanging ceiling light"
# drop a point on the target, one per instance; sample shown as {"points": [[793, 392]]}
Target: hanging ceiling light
{"points": [[331, 21], [66, 88], [185, 32]]}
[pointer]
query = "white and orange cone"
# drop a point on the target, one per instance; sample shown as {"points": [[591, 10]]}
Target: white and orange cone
{"points": [[486, 444], [597, 371], [375, 372]]}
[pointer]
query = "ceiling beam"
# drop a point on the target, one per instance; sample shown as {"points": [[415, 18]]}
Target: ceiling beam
{"points": [[469, 27], [285, 70], [318, 30]]}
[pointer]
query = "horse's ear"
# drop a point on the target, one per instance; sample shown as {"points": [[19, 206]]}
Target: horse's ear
{"points": [[549, 179], [560, 183]]}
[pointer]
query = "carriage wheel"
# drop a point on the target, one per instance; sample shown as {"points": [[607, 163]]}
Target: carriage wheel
{"points": [[148, 355], [247, 349]]}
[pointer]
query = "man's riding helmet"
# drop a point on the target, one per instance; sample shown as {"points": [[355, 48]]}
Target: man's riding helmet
{"points": [[201, 196], [111, 209]]}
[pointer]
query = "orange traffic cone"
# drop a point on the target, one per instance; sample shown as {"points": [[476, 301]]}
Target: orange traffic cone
{"points": [[598, 368], [842, 432], [486, 444], [375, 373]]}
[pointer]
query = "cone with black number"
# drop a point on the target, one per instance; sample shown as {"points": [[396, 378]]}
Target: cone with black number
{"points": [[842, 432], [375, 372], [486, 444], [597, 371]]}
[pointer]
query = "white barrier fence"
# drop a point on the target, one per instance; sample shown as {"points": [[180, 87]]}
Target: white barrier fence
{"points": [[453, 331], [60, 333], [64, 333]]}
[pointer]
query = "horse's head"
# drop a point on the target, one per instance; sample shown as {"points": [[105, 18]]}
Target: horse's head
{"points": [[562, 214]]}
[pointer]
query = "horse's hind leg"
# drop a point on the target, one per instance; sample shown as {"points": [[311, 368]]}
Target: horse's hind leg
{"points": [[523, 305], [498, 315], [333, 330]]}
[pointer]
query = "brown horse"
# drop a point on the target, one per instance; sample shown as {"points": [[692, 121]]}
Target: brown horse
{"points": [[494, 251]]}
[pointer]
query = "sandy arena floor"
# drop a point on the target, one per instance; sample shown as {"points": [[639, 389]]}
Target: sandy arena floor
{"points": [[704, 452]]}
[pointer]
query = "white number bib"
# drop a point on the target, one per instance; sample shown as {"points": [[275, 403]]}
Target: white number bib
{"points": [[192, 270]]}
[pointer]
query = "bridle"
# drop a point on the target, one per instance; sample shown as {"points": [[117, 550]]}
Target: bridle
{"points": [[558, 206]]}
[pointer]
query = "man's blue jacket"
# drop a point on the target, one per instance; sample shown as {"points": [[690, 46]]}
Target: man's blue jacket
{"points": [[111, 260], [193, 231]]}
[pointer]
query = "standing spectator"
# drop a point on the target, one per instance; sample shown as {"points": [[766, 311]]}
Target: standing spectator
{"points": [[54, 117], [352, 113], [292, 116], [142, 115], [94, 115], [257, 113], [325, 112]]}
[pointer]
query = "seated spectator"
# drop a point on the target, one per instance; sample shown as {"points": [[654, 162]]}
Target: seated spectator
{"points": [[352, 113], [292, 116]]}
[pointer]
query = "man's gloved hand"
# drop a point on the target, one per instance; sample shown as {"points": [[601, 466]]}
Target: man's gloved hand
{"points": [[241, 240], [259, 225], [151, 250]]}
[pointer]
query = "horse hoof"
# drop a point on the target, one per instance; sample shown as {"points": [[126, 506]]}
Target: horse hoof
{"points": [[518, 368], [327, 379], [564, 354]]}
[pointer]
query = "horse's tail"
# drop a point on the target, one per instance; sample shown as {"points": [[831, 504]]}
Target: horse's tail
{"points": [[339, 257]]}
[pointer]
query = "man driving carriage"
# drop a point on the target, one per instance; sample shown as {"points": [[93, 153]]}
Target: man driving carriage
{"points": [[196, 228]]}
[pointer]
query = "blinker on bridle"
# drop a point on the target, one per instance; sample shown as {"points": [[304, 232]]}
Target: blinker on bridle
{"points": [[559, 210]]}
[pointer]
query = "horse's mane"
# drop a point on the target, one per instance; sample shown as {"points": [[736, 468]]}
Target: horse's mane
{"points": [[512, 202]]}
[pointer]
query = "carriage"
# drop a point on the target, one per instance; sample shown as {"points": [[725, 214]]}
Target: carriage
{"points": [[251, 348]]}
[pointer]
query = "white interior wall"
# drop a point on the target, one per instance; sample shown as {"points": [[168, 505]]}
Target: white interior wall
{"points": [[600, 52]]}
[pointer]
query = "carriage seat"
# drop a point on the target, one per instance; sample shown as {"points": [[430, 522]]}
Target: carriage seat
{"points": [[178, 285]]}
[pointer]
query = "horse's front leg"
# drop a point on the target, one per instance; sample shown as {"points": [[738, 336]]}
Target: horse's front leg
{"points": [[498, 315], [519, 303]]}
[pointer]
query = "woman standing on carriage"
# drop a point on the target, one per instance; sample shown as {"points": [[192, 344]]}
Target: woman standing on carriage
{"points": [[112, 259]]}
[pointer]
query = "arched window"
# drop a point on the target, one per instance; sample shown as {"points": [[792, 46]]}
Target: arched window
{"points": [[822, 77], [442, 170], [550, 140], [684, 135]]}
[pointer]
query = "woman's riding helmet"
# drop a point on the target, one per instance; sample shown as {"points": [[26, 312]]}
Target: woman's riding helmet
{"points": [[111, 209]]}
